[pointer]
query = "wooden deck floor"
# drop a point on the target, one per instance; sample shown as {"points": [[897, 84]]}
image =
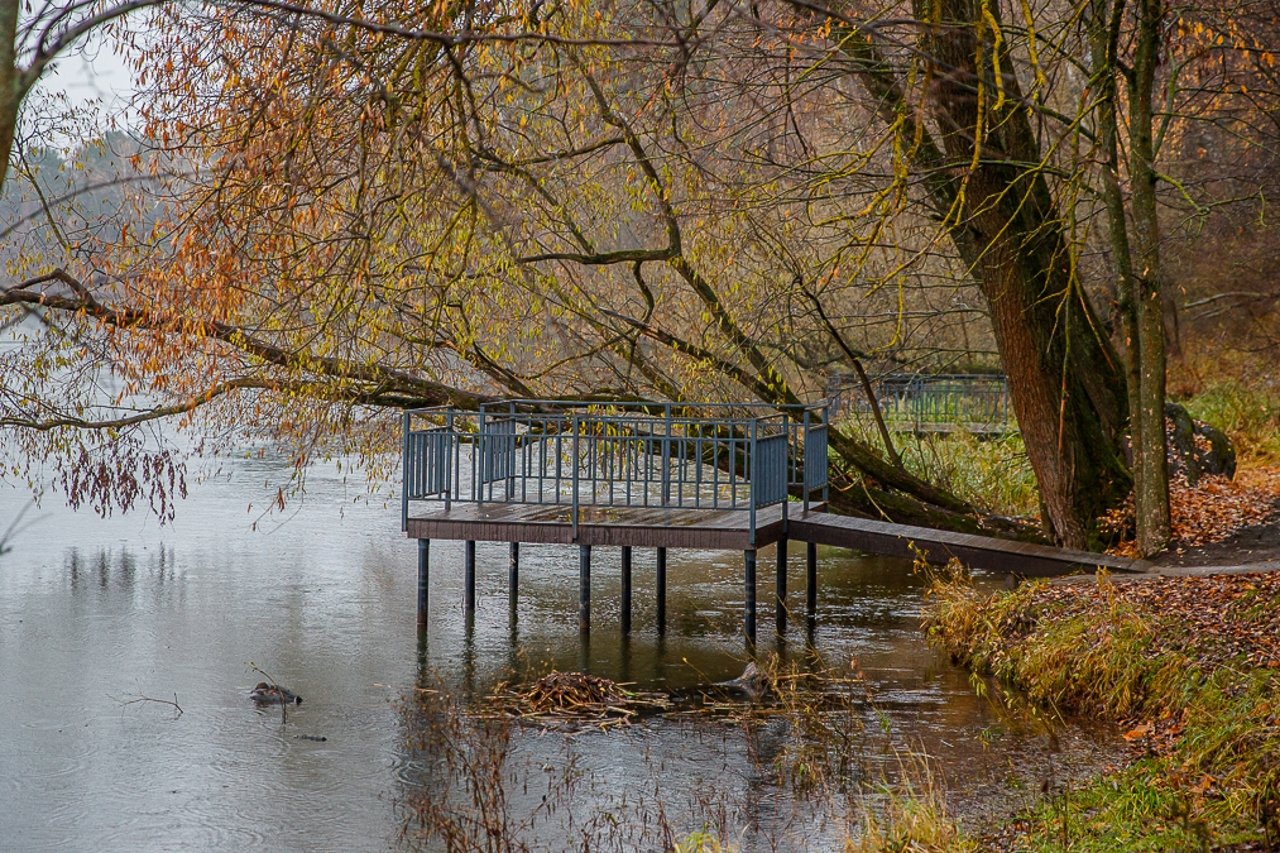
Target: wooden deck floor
{"points": [[729, 530], [643, 527]]}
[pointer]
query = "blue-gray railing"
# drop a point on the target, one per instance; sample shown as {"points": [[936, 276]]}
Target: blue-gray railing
{"points": [[977, 401], [687, 456]]}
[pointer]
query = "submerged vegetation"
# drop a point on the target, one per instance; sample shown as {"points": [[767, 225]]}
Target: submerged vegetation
{"points": [[1188, 667], [499, 778]]}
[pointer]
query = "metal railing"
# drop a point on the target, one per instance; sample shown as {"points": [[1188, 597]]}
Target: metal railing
{"points": [[703, 456], [975, 401]]}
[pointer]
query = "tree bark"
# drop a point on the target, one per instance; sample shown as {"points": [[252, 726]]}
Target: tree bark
{"points": [[1065, 378], [10, 83], [1150, 458]]}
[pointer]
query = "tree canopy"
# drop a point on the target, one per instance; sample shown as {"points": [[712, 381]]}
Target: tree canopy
{"points": [[385, 205]]}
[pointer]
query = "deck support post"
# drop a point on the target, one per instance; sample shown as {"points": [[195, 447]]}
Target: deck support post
{"points": [[513, 575], [749, 587], [584, 588], [780, 601], [661, 584], [626, 589], [811, 581], [469, 569], [424, 555]]}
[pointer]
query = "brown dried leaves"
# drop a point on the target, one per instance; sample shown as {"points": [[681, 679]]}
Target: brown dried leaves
{"points": [[1211, 511]]}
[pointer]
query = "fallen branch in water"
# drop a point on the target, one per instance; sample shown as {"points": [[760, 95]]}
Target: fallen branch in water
{"points": [[140, 698]]}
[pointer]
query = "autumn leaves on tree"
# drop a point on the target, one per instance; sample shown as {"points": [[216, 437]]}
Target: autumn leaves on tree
{"points": [[387, 205]]}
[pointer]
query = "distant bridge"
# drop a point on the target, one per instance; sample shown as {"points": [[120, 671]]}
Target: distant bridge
{"points": [[923, 403]]}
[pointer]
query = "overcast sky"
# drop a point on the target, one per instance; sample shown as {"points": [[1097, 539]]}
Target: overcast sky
{"points": [[94, 73]]}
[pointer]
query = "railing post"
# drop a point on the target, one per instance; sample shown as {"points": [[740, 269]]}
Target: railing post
{"points": [[404, 475], [510, 450], [450, 463], [666, 458], [804, 477], [826, 453], [573, 420], [751, 481], [786, 474]]}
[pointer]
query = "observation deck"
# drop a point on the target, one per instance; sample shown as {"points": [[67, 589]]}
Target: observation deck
{"points": [[653, 475]]}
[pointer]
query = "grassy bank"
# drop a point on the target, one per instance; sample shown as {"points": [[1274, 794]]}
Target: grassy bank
{"points": [[1189, 668]]}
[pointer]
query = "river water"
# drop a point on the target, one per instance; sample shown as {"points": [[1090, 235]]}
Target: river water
{"points": [[105, 622]]}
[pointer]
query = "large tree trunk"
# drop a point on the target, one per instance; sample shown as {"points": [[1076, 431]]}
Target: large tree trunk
{"points": [[1147, 351], [10, 80], [984, 181], [1065, 379]]}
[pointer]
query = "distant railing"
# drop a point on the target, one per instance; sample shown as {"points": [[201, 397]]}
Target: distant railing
{"points": [[671, 455], [924, 402]]}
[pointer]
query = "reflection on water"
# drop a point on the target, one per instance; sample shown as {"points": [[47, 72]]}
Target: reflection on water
{"points": [[97, 613]]}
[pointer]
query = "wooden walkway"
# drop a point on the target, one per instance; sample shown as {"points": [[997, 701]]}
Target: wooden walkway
{"points": [[1026, 559]]}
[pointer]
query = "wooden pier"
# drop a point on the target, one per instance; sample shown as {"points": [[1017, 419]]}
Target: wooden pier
{"points": [[697, 476]]}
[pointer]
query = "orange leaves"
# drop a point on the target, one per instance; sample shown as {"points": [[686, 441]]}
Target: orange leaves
{"points": [[1211, 511], [1137, 732]]}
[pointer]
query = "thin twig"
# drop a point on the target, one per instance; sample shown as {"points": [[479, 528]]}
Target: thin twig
{"points": [[141, 698]]}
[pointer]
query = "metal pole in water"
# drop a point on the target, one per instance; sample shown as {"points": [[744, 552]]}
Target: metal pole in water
{"points": [[424, 553], [513, 574], [780, 605], [749, 582], [811, 581], [469, 564], [584, 588], [626, 589], [661, 584]]}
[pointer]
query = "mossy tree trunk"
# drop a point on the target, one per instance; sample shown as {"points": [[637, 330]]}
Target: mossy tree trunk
{"points": [[984, 176]]}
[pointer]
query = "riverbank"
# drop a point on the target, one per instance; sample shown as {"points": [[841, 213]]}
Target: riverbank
{"points": [[1188, 668]]}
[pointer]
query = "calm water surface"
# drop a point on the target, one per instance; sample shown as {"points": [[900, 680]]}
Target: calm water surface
{"points": [[96, 615]]}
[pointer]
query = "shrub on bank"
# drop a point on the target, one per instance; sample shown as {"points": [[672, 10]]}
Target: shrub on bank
{"points": [[1188, 667]]}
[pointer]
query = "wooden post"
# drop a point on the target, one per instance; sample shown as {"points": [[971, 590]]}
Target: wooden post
{"points": [[661, 583], [780, 604], [749, 583], [811, 581], [626, 589], [584, 588], [513, 574], [469, 565], [424, 554]]}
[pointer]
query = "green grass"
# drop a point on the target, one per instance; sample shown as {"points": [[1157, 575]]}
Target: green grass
{"points": [[1249, 416], [1215, 783], [992, 473]]}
